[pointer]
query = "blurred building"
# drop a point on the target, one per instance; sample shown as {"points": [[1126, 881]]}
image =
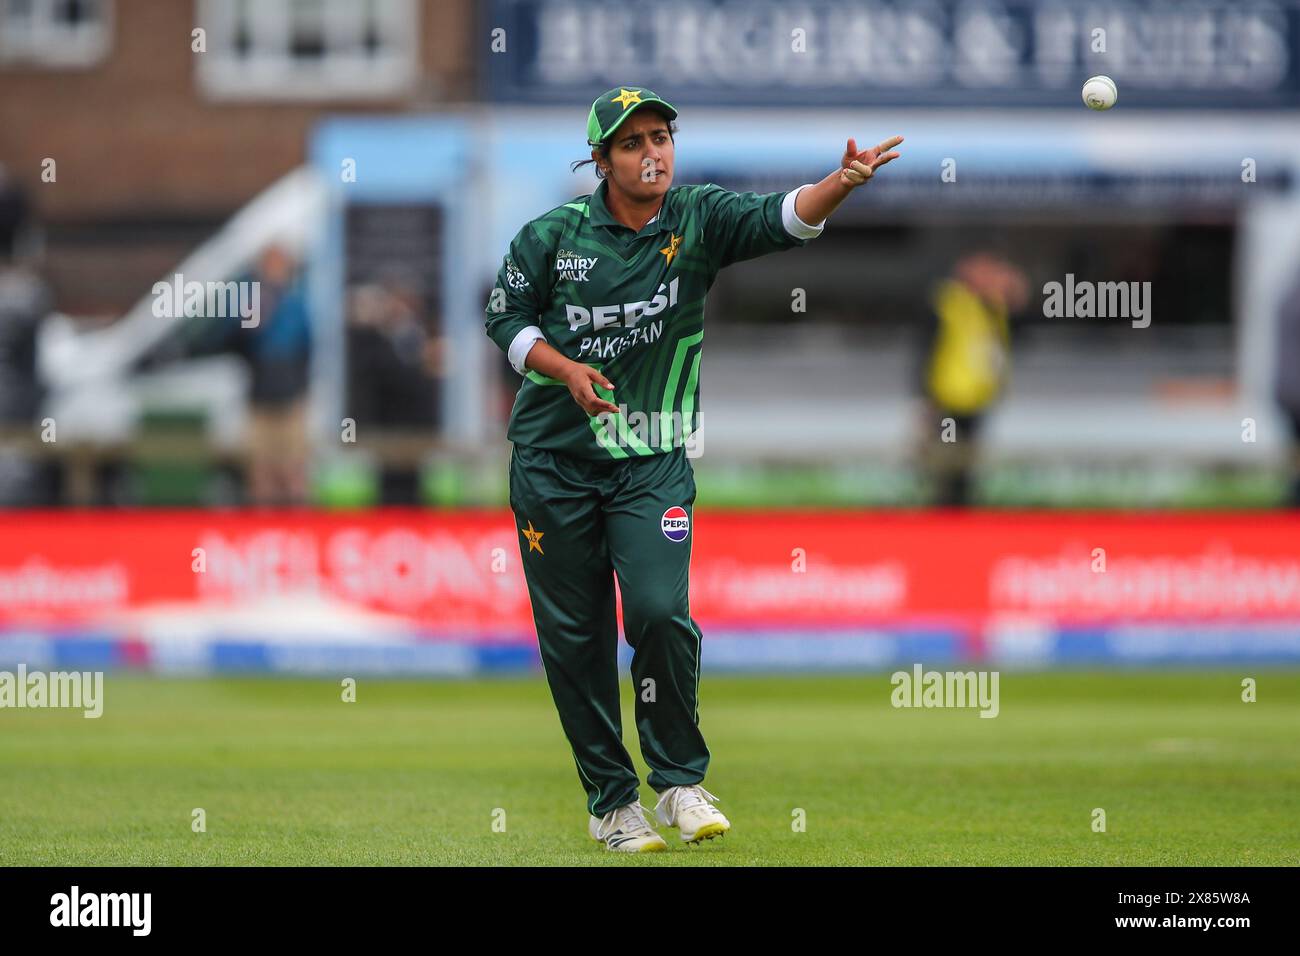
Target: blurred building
{"points": [[158, 134]]}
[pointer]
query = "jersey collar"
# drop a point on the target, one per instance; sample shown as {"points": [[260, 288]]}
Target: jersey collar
{"points": [[600, 214]]}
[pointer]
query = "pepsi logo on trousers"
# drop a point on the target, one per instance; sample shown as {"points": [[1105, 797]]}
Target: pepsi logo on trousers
{"points": [[676, 524]]}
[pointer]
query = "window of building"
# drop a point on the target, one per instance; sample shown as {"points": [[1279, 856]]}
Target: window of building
{"points": [[308, 49], [55, 33]]}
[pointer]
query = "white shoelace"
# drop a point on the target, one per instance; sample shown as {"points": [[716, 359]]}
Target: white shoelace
{"points": [[684, 798], [630, 819]]}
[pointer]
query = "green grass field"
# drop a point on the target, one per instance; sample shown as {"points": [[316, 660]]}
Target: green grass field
{"points": [[413, 771]]}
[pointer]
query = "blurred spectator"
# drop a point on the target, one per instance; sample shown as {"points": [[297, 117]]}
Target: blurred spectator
{"points": [[278, 351], [1287, 387], [965, 363], [393, 367], [24, 302]]}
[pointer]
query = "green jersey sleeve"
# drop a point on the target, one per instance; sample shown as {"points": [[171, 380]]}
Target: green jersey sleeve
{"points": [[521, 290], [739, 226]]}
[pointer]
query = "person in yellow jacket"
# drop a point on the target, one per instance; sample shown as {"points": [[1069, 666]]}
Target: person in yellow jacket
{"points": [[966, 364]]}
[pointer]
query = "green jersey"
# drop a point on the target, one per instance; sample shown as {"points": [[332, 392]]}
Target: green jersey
{"points": [[630, 304]]}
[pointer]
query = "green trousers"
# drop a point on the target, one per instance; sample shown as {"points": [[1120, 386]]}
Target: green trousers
{"points": [[580, 523]]}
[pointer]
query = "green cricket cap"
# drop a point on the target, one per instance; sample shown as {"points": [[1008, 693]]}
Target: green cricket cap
{"points": [[612, 107]]}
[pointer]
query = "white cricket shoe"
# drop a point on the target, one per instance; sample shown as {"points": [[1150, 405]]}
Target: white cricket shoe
{"points": [[626, 829], [691, 810]]}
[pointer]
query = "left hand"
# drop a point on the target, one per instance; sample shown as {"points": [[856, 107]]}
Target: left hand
{"points": [[857, 167]]}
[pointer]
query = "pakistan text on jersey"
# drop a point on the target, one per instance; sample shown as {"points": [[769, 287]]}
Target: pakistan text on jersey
{"points": [[594, 346]]}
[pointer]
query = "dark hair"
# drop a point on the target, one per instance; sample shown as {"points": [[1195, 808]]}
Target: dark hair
{"points": [[608, 143]]}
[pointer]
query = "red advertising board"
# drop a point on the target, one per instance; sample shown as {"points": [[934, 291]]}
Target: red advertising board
{"points": [[460, 571]]}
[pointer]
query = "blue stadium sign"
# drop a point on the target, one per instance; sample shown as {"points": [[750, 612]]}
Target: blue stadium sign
{"points": [[1228, 54]]}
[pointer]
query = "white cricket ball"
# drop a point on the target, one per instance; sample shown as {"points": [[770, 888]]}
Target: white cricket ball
{"points": [[1100, 93]]}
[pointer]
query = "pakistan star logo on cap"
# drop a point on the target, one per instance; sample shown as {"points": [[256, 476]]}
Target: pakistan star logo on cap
{"points": [[627, 97], [612, 107]]}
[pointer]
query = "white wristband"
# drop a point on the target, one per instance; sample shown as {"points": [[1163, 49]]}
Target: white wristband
{"points": [[519, 346], [793, 224]]}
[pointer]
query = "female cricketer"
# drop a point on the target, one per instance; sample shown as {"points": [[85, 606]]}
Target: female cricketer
{"points": [[599, 305]]}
